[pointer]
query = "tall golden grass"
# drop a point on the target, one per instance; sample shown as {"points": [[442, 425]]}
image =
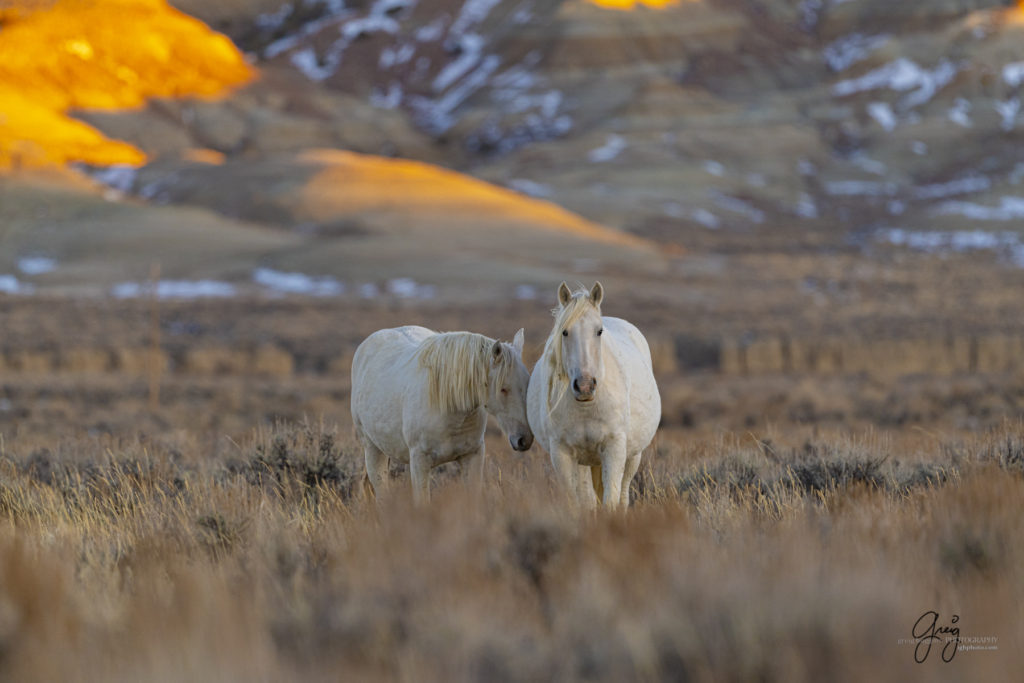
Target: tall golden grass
{"points": [[157, 559]]}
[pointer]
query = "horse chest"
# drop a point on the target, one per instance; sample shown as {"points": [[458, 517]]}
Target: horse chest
{"points": [[584, 435]]}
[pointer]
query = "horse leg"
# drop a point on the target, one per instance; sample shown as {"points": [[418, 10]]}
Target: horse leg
{"points": [[595, 479], [613, 468], [376, 467], [565, 469], [472, 467], [586, 487], [632, 465], [419, 471]]}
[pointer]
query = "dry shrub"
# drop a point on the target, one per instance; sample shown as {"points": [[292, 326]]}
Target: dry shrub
{"points": [[154, 559], [139, 361], [215, 361], [271, 361]]}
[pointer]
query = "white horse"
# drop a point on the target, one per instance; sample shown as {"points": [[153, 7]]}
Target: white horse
{"points": [[593, 402], [422, 398]]}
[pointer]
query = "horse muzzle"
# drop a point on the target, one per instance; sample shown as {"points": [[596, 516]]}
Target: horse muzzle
{"points": [[584, 388]]}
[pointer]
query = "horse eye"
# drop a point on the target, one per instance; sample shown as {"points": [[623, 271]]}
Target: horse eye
{"points": [[565, 333], [504, 391], [599, 332]]}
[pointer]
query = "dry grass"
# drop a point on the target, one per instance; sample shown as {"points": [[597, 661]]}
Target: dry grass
{"points": [[740, 559]]}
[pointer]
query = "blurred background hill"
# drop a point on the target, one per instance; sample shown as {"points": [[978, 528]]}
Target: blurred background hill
{"points": [[815, 188]]}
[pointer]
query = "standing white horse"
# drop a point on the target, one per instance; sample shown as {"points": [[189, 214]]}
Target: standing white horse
{"points": [[593, 402], [422, 398]]}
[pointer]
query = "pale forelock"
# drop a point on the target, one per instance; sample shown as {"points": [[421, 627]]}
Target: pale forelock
{"points": [[457, 365]]}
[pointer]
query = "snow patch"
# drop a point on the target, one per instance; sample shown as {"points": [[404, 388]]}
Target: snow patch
{"points": [[36, 265], [714, 168], [737, 205], [407, 288], [471, 46], [387, 100], [1017, 174], [526, 292], [612, 147], [706, 218], [957, 241], [960, 113], [118, 177], [844, 52], [174, 289], [953, 187], [472, 14], [437, 115], [860, 188], [390, 56], [806, 207], [883, 114], [10, 285], [530, 188], [297, 283], [308, 63], [1008, 111], [1013, 74], [1009, 209], [431, 32], [866, 163], [902, 74], [271, 21]]}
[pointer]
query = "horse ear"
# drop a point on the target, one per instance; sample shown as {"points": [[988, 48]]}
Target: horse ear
{"points": [[496, 351], [564, 294], [597, 293], [517, 341]]}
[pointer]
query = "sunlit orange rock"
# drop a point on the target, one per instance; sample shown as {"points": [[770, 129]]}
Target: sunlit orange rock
{"points": [[632, 4], [98, 54], [352, 183]]}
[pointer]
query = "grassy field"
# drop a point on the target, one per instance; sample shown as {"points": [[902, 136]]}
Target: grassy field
{"points": [[788, 524], [183, 500], [741, 558]]}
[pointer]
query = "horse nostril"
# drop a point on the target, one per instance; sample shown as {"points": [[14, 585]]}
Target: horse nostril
{"points": [[576, 385]]}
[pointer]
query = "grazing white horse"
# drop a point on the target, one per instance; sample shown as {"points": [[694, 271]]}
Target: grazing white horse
{"points": [[593, 402], [422, 398]]}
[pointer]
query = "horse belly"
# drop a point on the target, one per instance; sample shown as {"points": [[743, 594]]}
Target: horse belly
{"points": [[380, 377]]}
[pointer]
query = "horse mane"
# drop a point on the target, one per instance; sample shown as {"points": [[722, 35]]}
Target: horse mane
{"points": [[565, 317], [457, 365]]}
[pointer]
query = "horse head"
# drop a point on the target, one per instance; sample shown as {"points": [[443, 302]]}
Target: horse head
{"points": [[508, 380], [577, 354]]}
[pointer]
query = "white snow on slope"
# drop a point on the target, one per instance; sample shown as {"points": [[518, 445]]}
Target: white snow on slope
{"points": [[960, 113], [297, 283], [36, 265], [883, 114], [1013, 74], [612, 147], [174, 289], [1008, 111], [1009, 209], [10, 285], [957, 241], [902, 74], [844, 52]]}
